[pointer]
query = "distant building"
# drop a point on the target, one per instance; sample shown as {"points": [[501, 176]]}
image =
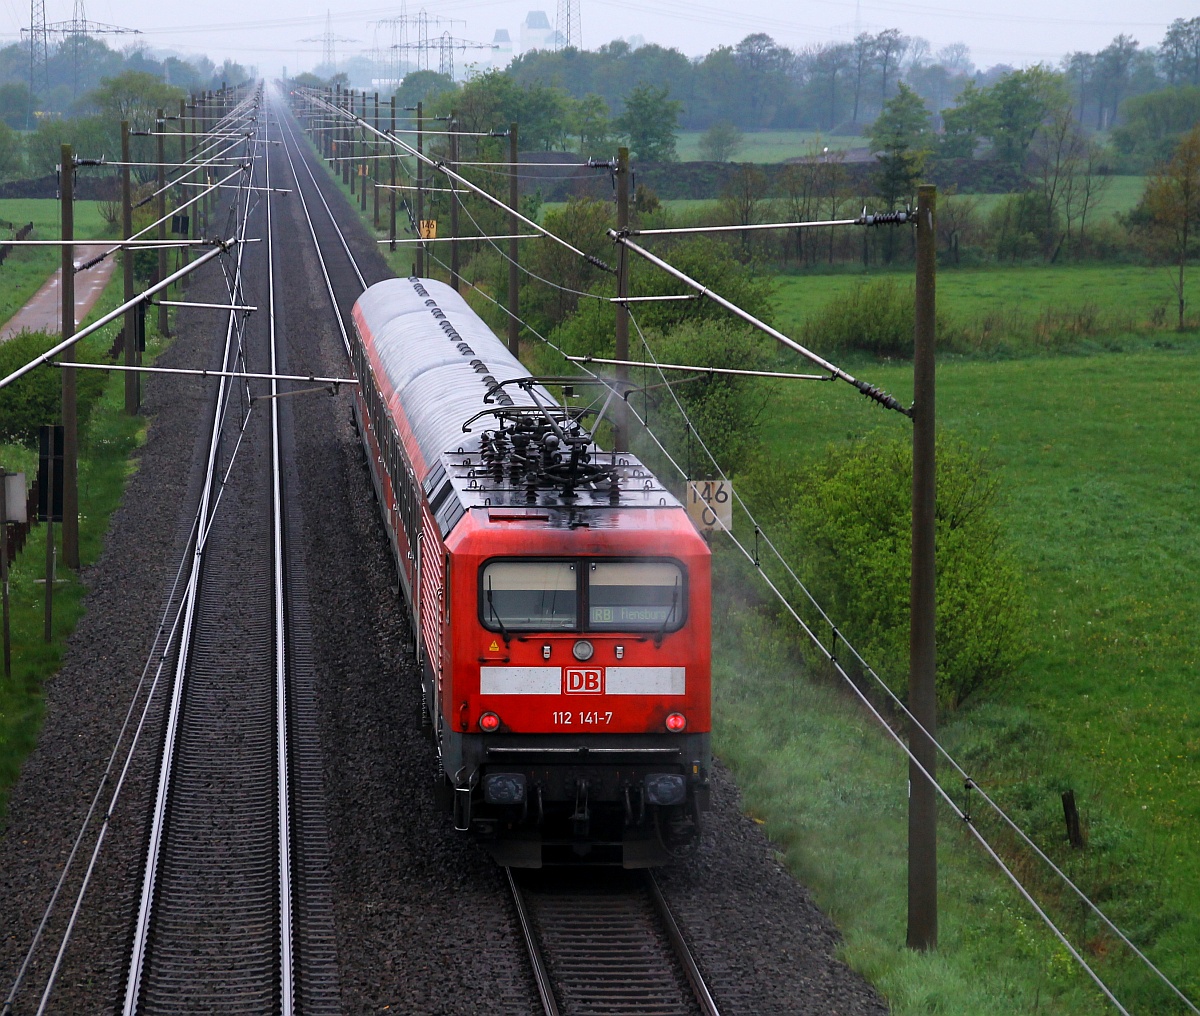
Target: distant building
{"points": [[502, 48], [537, 32]]}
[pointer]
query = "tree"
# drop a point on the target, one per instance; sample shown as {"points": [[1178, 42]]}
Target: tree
{"points": [[764, 67], [889, 49], [1177, 55], [1112, 73], [16, 104], [1172, 199], [957, 223], [861, 59], [742, 198], [1151, 125], [720, 142], [10, 152], [423, 86], [650, 121], [593, 125], [1054, 158], [901, 140], [970, 120], [133, 96], [1021, 102]]}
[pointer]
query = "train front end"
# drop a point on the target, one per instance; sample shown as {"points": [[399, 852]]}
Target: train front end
{"points": [[578, 705]]}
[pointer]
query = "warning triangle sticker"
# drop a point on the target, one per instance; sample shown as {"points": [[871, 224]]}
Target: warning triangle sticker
{"points": [[494, 647]]}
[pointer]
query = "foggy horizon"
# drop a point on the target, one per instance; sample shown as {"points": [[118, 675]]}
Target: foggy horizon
{"points": [[1019, 33]]}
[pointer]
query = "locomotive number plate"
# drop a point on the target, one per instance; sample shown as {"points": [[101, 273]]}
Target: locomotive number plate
{"points": [[583, 718]]}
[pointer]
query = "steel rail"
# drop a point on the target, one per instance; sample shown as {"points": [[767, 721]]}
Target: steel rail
{"points": [[329, 211], [682, 953], [158, 820], [541, 973], [337, 313], [287, 978]]}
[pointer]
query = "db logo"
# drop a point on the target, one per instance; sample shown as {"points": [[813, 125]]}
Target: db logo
{"points": [[584, 682]]}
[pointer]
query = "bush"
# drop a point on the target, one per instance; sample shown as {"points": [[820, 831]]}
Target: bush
{"points": [[36, 399], [846, 523], [877, 317], [724, 409]]}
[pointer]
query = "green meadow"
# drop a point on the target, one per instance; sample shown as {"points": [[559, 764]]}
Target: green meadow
{"points": [[1113, 300], [769, 145], [1096, 454]]}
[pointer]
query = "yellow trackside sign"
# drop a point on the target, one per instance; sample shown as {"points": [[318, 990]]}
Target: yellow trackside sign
{"points": [[429, 229]]}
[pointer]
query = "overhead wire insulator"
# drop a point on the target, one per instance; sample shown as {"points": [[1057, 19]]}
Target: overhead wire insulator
{"points": [[880, 396], [897, 218]]}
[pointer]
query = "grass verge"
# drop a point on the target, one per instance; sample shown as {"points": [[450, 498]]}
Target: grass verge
{"points": [[108, 441]]}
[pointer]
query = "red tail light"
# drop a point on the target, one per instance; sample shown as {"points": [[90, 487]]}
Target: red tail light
{"points": [[489, 723], [676, 722]]}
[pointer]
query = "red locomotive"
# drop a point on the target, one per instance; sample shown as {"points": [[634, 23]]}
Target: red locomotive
{"points": [[559, 595]]}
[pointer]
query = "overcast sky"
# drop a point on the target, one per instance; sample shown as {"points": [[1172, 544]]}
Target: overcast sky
{"points": [[269, 32]]}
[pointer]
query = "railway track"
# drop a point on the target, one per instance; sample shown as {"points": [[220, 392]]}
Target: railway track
{"points": [[232, 916], [606, 946], [612, 946]]}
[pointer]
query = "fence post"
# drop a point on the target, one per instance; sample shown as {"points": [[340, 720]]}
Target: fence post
{"points": [[922, 672]]}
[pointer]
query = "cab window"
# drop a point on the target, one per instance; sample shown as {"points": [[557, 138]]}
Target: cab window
{"points": [[540, 595], [635, 596]]}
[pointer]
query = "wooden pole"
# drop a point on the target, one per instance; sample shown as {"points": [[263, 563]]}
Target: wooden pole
{"points": [[922, 673], [48, 617], [374, 167], [160, 128], [420, 191], [392, 192], [363, 160], [184, 256], [4, 571], [514, 291], [132, 399], [621, 416], [70, 418], [453, 203]]}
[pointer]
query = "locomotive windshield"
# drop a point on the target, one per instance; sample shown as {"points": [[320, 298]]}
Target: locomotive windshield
{"points": [[530, 594], [586, 594], [632, 595]]}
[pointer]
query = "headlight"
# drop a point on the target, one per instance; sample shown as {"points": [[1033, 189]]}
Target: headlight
{"points": [[583, 650], [504, 788], [665, 789]]}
